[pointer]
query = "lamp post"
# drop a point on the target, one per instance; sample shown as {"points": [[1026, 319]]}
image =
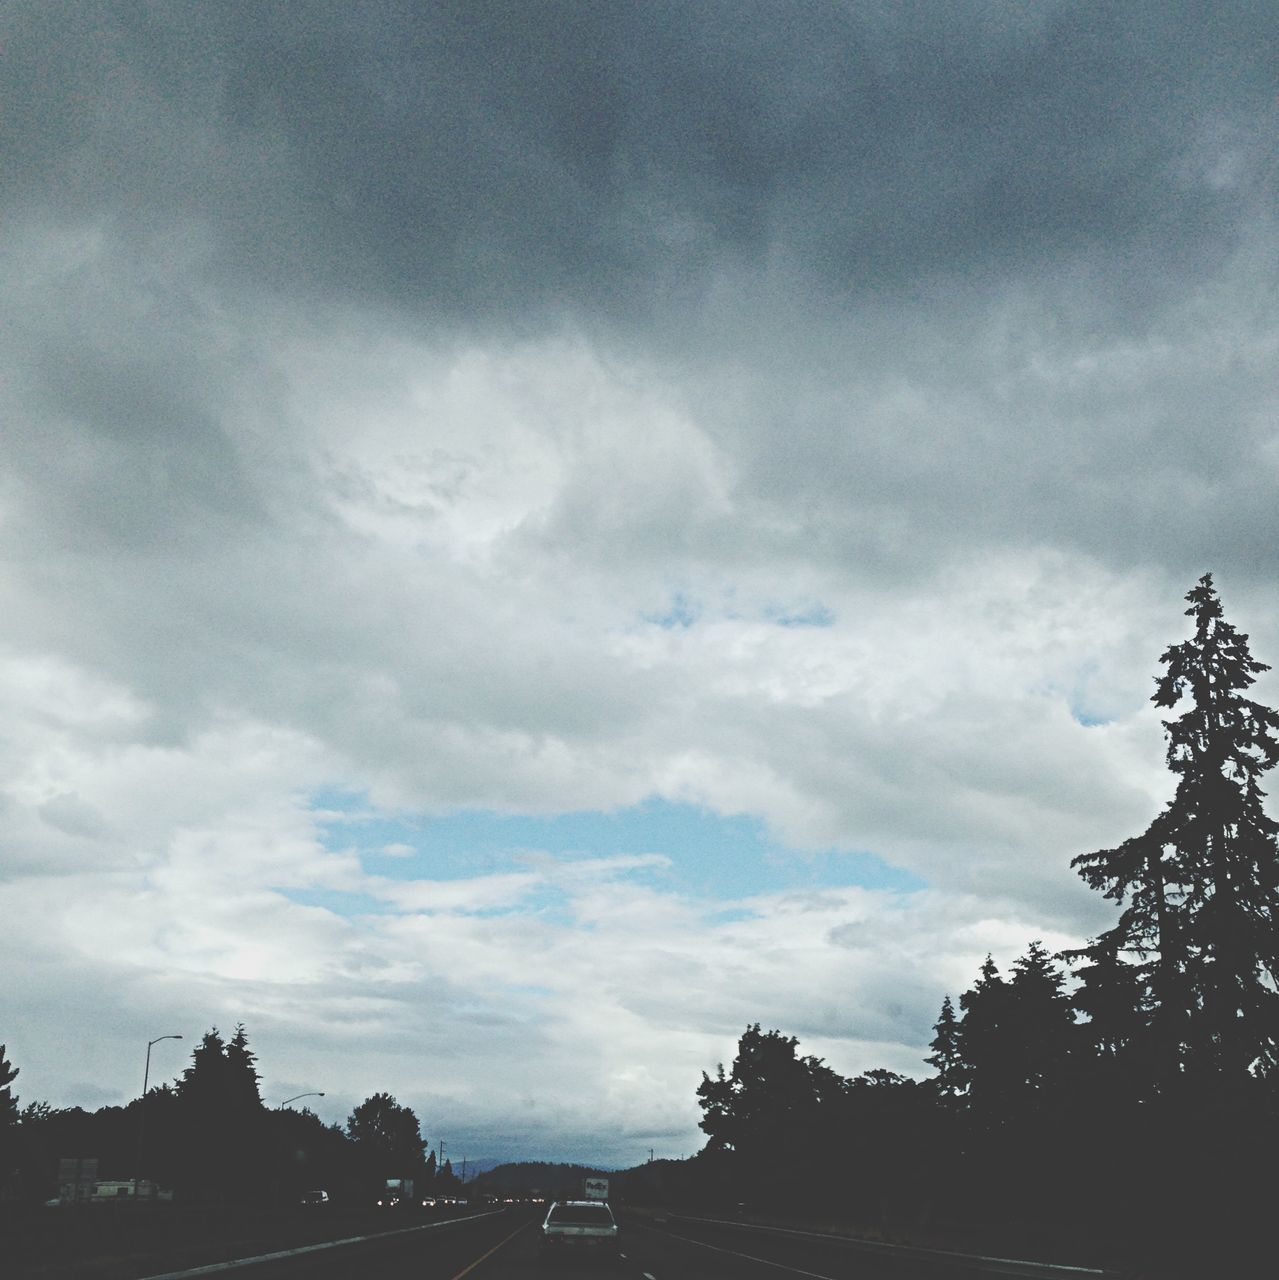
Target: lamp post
{"points": [[146, 1075], [296, 1096], [146, 1080]]}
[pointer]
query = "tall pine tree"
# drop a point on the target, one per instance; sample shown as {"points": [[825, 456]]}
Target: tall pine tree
{"points": [[8, 1115], [985, 1070], [1201, 884], [946, 1056], [8, 1102], [1041, 1027], [242, 1072]]}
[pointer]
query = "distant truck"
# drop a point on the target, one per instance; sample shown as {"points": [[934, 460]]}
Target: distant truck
{"points": [[594, 1188], [399, 1191], [117, 1190]]}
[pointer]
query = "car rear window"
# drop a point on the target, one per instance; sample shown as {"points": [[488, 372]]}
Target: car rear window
{"points": [[582, 1215]]}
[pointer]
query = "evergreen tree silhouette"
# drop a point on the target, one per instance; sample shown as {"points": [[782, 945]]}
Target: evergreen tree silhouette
{"points": [[946, 1056], [8, 1118], [1201, 884], [222, 1121], [984, 1070], [1040, 1035], [1115, 1065], [8, 1101], [242, 1074]]}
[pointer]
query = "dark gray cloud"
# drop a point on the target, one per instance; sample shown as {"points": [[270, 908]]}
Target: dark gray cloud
{"points": [[1052, 226], [462, 159]]}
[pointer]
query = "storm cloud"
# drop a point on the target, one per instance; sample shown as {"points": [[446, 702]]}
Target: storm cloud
{"points": [[803, 413]]}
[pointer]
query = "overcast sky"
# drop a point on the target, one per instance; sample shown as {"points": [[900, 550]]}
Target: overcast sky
{"points": [[535, 535]]}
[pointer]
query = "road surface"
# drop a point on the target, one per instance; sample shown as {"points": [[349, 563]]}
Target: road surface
{"points": [[504, 1246]]}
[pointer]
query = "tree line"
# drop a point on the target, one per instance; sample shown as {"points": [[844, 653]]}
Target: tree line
{"points": [[210, 1138], [1122, 1096]]}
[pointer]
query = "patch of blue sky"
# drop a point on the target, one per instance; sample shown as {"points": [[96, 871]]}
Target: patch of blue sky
{"points": [[710, 855], [1087, 720], [340, 902], [682, 612], [733, 915], [813, 615], [1085, 696]]}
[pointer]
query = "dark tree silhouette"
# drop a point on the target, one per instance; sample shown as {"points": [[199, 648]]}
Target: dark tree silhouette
{"points": [[219, 1114], [205, 1082], [1017, 1054], [1015, 1039], [388, 1136], [242, 1074], [1201, 884], [946, 1057], [8, 1100], [772, 1111], [984, 1070], [1112, 995], [769, 1090], [8, 1119], [1041, 1028]]}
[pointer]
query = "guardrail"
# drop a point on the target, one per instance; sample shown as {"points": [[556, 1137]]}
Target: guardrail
{"points": [[977, 1264]]}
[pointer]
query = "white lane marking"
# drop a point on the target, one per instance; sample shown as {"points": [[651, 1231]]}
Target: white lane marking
{"points": [[466, 1271], [750, 1257], [648, 1275], [213, 1268], [902, 1249]]}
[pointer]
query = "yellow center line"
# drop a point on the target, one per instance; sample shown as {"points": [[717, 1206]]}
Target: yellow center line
{"points": [[466, 1271]]}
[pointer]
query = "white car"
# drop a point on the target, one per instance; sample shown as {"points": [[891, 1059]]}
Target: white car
{"points": [[579, 1226]]}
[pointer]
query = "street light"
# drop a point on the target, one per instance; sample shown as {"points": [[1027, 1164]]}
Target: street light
{"points": [[146, 1075], [296, 1096], [146, 1080]]}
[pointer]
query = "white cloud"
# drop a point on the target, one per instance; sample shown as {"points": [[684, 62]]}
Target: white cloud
{"points": [[508, 506]]}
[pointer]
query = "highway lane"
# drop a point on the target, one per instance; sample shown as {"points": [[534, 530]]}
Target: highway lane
{"points": [[507, 1248], [504, 1246], [440, 1252], [675, 1250]]}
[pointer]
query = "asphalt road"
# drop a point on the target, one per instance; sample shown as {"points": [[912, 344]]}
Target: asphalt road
{"points": [[504, 1246]]}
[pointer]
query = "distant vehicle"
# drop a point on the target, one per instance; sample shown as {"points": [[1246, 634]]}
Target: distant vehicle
{"points": [[314, 1197], [579, 1226], [594, 1188], [428, 1202], [398, 1191], [116, 1190]]}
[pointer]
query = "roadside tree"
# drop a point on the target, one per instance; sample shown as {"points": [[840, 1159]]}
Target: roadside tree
{"points": [[1200, 887]]}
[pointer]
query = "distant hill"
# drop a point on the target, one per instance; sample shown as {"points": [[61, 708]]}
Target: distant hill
{"points": [[531, 1176]]}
